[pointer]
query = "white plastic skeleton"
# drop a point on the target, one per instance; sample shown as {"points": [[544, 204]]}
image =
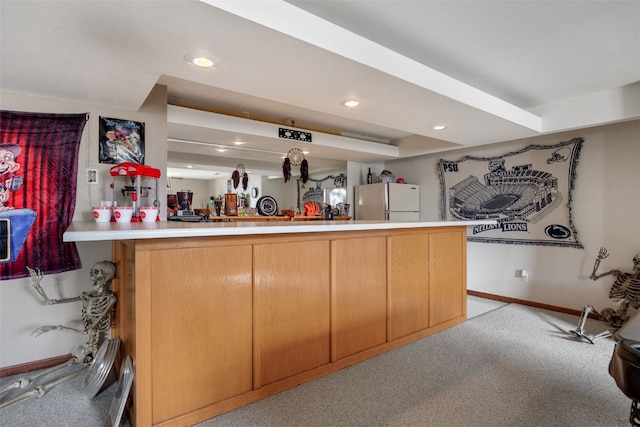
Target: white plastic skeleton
{"points": [[625, 293], [97, 307]]}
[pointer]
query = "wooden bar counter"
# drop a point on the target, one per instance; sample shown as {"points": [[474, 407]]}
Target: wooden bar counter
{"points": [[218, 315]]}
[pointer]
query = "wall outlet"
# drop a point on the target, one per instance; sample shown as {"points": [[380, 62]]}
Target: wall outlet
{"points": [[523, 275]]}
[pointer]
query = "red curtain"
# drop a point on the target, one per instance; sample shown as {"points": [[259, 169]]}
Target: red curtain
{"points": [[48, 166]]}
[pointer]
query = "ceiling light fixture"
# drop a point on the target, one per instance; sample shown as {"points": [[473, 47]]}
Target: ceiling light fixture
{"points": [[439, 127], [189, 166], [239, 142], [221, 149], [351, 103], [201, 61]]}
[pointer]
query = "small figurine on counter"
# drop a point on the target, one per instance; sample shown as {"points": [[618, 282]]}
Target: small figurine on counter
{"points": [[218, 204]]}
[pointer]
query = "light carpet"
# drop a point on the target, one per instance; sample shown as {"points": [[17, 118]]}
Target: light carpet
{"points": [[511, 366]]}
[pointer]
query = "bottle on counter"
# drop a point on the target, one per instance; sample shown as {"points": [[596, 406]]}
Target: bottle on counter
{"points": [[369, 177], [211, 206]]}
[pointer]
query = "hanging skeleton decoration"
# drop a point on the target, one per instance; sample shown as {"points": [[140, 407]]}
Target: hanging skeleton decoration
{"points": [[625, 293], [97, 307]]}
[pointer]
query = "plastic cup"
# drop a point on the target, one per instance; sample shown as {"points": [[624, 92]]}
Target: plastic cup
{"points": [[148, 213], [102, 213], [123, 213]]}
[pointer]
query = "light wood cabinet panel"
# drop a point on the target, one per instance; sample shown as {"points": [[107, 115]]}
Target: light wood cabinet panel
{"points": [[291, 303], [408, 281], [358, 311], [448, 275], [201, 324], [216, 323]]}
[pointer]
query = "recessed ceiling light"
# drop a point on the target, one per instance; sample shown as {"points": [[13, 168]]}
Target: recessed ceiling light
{"points": [[439, 127], [351, 103], [201, 61], [189, 166], [305, 152], [239, 142], [221, 149]]}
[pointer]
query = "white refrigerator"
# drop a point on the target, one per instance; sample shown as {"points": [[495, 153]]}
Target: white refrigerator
{"points": [[387, 201]]}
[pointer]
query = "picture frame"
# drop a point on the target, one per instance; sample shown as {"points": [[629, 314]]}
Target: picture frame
{"points": [[121, 141]]}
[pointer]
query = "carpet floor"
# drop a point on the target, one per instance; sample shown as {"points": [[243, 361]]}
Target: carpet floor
{"points": [[510, 365]]}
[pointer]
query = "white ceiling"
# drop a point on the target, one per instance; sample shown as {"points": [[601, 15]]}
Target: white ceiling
{"points": [[490, 70]]}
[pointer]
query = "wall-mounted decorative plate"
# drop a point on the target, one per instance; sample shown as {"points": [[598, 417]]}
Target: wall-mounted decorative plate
{"points": [[267, 205], [101, 372]]}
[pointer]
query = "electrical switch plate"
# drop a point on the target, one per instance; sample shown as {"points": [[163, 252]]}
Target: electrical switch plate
{"points": [[92, 176]]}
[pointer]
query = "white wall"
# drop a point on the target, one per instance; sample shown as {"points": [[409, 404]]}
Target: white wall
{"points": [[20, 308], [282, 192], [606, 207]]}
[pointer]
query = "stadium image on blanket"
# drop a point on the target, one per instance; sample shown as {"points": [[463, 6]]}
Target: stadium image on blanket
{"points": [[517, 194]]}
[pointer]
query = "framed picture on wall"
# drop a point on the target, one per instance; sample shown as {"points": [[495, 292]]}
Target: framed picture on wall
{"points": [[121, 141]]}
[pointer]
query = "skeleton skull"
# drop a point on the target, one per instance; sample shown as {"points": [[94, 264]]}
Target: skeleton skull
{"points": [[102, 272], [636, 262]]}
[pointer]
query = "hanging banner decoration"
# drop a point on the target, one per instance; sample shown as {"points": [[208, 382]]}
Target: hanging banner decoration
{"points": [[38, 175], [527, 192]]}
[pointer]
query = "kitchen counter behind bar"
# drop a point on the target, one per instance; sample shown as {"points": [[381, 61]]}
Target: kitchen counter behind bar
{"points": [[92, 231]]}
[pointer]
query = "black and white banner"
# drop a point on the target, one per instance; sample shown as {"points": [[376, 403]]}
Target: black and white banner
{"points": [[528, 193]]}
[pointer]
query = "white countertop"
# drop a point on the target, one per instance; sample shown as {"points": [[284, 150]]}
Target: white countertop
{"points": [[93, 231]]}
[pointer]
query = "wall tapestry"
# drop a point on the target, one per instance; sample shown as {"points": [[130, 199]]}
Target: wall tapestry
{"points": [[38, 173], [528, 193], [121, 141]]}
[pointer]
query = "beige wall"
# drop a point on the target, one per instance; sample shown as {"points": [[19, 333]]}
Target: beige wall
{"points": [[20, 309], [605, 204]]}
